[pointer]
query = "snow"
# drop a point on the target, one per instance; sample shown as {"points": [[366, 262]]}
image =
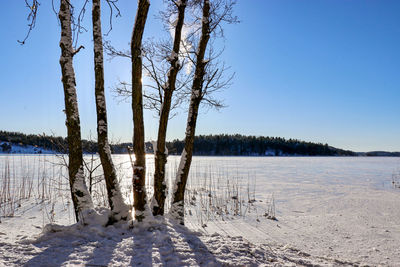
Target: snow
{"points": [[182, 164], [196, 93], [173, 56], [25, 149], [330, 212], [102, 126], [154, 144], [85, 204], [121, 209], [159, 243], [186, 31]]}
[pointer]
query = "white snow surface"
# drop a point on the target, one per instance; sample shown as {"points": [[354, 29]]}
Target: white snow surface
{"points": [[121, 209], [330, 211], [85, 201], [156, 243], [182, 163]]}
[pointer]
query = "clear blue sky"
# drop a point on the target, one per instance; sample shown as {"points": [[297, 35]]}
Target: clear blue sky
{"points": [[324, 71]]}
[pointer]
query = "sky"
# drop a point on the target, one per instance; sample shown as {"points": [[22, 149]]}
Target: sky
{"points": [[316, 70]]}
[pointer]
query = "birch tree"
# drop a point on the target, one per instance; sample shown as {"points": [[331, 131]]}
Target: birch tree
{"points": [[81, 198], [139, 166], [207, 77], [169, 88], [119, 210]]}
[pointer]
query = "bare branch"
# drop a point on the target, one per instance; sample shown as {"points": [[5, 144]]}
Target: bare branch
{"points": [[112, 52], [77, 27], [112, 5], [77, 50], [33, 9], [122, 91], [54, 8]]}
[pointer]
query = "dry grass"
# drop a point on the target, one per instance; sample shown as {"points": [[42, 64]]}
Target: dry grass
{"points": [[396, 179], [212, 192], [24, 178]]}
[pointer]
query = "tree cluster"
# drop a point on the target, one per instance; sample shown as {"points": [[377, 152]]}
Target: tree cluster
{"points": [[194, 25], [204, 145], [240, 145], [53, 143]]}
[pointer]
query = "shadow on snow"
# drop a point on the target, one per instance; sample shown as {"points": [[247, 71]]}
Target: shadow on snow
{"points": [[154, 243]]}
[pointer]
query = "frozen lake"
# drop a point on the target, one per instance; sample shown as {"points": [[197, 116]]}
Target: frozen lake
{"points": [[286, 177], [332, 207]]}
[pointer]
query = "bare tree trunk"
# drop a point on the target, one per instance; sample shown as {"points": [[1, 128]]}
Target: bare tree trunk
{"points": [[118, 208], [81, 198], [177, 207], [139, 168], [160, 154]]}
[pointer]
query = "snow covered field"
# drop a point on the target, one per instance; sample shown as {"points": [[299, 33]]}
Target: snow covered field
{"points": [[329, 210]]}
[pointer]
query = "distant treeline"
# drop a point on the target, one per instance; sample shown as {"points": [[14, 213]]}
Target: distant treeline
{"points": [[55, 143], [59, 144], [241, 145], [206, 145]]}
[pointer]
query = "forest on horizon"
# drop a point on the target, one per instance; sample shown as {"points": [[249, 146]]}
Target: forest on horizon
{"points": [[205, 145]]}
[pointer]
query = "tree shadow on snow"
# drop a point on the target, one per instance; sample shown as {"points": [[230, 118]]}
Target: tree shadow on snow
{"points": [[62, 244], [157, 243], [200, 253], [51, 256]]}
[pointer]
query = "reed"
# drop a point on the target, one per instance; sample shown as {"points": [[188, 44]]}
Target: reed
{"points": [[213, 192]]}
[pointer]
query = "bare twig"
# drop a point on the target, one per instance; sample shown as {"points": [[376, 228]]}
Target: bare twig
{"points": [[33, 9], [77, 50], [112, 5]]}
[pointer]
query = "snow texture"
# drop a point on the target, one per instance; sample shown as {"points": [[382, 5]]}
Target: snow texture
{"points": [[156, 243], [147, 214], [85, 204], [154, 144], [153, 203], [121, 209], [179, 173], [186, 45], [339, 211], [177, 209]]}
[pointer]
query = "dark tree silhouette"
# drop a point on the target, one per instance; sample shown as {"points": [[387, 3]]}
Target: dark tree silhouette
{"points": [[139, 168]]}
